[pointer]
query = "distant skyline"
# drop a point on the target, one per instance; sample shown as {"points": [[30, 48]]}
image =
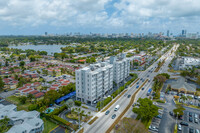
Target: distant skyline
{"points": [[35, 17]]}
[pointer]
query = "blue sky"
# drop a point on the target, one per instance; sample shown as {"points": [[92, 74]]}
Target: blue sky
{"points": [[34, 17]]}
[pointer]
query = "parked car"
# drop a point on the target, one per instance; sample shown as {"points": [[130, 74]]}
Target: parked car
{"points": [[195, 116], [153, 128], [197, 131], [107, 112], [196, 120], [190, 114], [179, 127], [181, 117], [159, 116], [171, 113], [184, 123], [191, 130], [142, 88], [113, 116], [190, 119]]}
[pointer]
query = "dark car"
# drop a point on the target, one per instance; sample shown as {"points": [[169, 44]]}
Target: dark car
{"points": [[142, 88], [147, 75], [190, 114], [129, 96], [5, 90], [191, 130], [137, 82], [159, 116], [171, 113], [107, 112], [113, 116], [195, 97], [190, 119], [184, 123]]}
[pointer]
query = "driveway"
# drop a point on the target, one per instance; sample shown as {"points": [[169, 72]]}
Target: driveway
{"points": [[63, 116]]}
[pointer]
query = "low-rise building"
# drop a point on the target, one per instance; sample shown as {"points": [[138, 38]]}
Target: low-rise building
{"points": [[22, 121]]}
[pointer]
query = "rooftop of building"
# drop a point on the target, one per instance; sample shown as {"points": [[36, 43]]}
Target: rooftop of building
{"points": [[181, 83], [26, 121]]}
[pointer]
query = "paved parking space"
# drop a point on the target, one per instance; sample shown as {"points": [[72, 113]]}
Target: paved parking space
{"points": [[58, 129], [192, 124]]}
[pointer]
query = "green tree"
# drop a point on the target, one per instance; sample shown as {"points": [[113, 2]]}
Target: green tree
{"points": [[22, 63], [1, 84], [146, 110], [179, 110], [22, 99], [198, 80]]}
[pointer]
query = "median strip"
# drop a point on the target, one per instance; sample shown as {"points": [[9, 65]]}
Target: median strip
{"points": [[126, 109], [93, 120], [134, 82], [158, 68]]}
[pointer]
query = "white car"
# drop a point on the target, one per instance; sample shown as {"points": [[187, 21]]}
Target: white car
{"points": [[179, 127]]}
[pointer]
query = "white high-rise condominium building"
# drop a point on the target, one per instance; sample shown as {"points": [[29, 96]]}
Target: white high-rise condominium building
{"points": [[94, 81], [121, 67]]}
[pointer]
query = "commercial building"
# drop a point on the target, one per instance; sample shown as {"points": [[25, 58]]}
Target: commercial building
{"points": [[94, 81], [188, 62], [22, 121], [181, 86], [121, 67]]}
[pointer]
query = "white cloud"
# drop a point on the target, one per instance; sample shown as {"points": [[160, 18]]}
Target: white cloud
{"points": [[128, 14]]}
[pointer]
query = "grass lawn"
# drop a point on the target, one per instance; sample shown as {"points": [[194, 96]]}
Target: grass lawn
{"points": [[72, 116], [48, 125], [15, 100]]}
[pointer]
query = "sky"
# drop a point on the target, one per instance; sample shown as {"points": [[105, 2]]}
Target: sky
{"points": [[35, 17]]}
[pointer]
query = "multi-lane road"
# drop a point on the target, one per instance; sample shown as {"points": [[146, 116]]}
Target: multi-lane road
{"points": [[105, 121]]}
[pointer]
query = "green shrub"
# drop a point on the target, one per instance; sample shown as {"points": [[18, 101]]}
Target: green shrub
{"points": [[58, 110], [104, 102], [61, 120], [32, 107], [85, 107], [77, 103]]}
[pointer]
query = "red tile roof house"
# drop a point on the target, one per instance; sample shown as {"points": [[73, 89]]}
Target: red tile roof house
{"points": [[22, 88], [26, 91], [36, 84], [27, 85], [38, 95], [51, 88], [64, 84], [34, 92], [56, 85]]}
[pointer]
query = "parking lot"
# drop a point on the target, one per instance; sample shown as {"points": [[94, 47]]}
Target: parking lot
{"points": [[155, 123], [192, 117]]}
